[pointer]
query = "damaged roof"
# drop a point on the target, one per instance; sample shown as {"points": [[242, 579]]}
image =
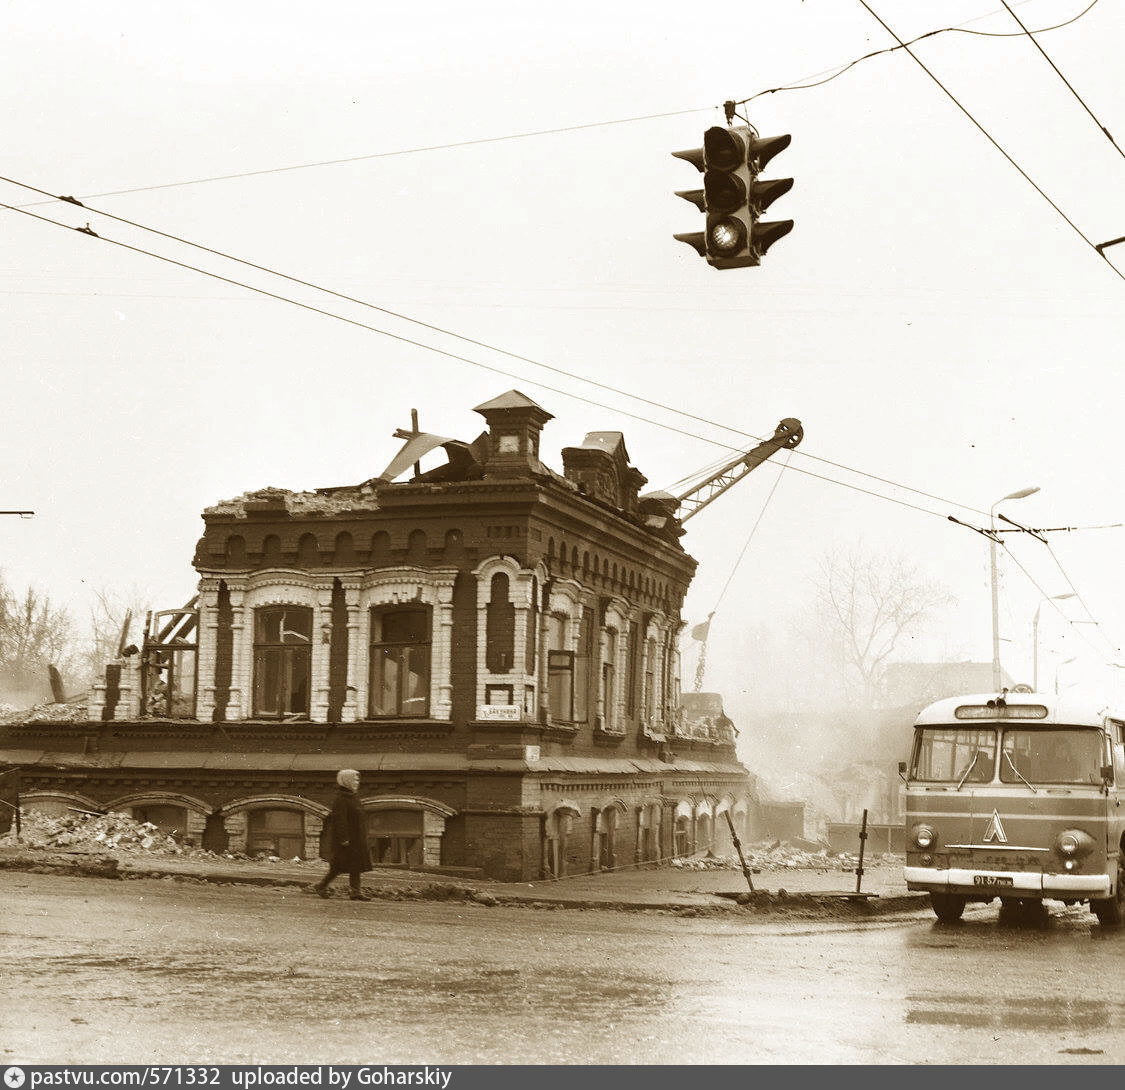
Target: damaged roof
{"points": [[263, 501]]}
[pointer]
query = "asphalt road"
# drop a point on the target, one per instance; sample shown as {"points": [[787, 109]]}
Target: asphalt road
{"points": [[151, 971]]}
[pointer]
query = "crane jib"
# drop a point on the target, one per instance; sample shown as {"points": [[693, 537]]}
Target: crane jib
{"points": [[787, 435]]}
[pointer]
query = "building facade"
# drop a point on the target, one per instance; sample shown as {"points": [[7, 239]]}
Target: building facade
{"points": [[491, 643]]}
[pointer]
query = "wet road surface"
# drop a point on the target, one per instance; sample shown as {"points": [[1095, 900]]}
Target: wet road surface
{"points": [[152, 971]]}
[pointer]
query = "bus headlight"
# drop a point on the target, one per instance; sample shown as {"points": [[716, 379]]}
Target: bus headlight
{"points": [[1073, 844], [923, 837]]}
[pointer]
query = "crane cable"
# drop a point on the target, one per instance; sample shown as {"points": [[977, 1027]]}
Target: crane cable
{"points": [[701, 665]]}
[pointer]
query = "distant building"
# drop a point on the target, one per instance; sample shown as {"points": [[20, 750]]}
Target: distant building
{"points": [[491, 643]]}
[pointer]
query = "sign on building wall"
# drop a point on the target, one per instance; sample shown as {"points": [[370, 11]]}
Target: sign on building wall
{"points": [[505, 712]]}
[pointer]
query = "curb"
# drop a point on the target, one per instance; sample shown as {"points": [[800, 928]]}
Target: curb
{"points": [[812, 903]]}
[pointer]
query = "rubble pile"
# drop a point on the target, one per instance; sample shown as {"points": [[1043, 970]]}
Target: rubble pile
{"points": [[73, 712], [83, 831], [321, 502], [778, 856]]}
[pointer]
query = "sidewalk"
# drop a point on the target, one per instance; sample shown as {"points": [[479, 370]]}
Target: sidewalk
{"points": [[683, 890]]}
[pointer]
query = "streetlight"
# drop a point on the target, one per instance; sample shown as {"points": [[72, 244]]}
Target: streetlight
{"points": [[1035, 634], [1021, 494]]}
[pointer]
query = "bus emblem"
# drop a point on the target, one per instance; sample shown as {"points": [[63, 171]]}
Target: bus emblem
{"points": [[995, 829]]}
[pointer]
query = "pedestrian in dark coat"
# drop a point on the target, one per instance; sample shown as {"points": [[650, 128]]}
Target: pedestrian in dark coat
{"points": [[348, 851]]}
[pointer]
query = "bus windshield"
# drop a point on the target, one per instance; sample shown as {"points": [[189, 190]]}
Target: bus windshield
{"points": [[954, 754], [1069, 755]]}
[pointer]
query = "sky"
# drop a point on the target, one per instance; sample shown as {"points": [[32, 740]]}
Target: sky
{"points": [[946, 334]]}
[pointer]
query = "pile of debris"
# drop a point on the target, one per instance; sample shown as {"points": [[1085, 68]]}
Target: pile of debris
{"points": [[775, 855], [76, 711], [83, 831]]}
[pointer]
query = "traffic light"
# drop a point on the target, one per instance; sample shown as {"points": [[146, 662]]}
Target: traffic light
{"points": [[733, 197]]}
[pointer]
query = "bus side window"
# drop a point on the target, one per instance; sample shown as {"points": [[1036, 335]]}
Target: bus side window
{"points": [[1119, 763]]}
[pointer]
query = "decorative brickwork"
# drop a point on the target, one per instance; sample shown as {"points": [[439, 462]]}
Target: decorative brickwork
{"points": [[491, 643]]}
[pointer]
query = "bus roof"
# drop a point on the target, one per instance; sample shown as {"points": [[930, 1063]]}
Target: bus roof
{"points": [[1071, 709]]}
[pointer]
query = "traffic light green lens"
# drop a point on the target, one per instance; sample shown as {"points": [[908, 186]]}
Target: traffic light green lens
{"points": [[725, 237]]}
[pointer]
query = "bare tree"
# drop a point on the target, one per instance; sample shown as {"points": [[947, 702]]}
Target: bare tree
{"points": [[869, 603], [34, 635], [116, 619]]}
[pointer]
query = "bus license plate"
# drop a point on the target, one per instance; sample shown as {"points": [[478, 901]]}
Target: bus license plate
{"points": [[992, 880]]}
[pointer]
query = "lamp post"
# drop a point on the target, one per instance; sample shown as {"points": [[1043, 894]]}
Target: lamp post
{"points": [[1021, 494], [1035, 634]]}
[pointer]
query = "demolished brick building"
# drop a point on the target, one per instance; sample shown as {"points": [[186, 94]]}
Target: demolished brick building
{"points": [[492, 644]]}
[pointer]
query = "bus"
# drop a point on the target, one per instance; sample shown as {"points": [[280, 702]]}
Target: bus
{"points": [[1017, 795]]}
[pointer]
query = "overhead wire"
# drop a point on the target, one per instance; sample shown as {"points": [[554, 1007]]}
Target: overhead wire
{"points": [[1069, 85], [533, 362], [341, 318], [901, 45], [404, 151], [1035, 583], [451, 355], [839, 71], [560, 129], [475, 363], [1081, 601], [480, 344], [992, 140]]}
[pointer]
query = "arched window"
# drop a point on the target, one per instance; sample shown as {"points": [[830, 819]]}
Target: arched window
{"points": [[167, 817], [500, 627], [560, 670], [275, 832], [395, 837], [400, 661], [308, 552], [609, 681], [583, 665], [380, 548], [632, 668], [681, 836], [650, 679], [532, 624], [282, 661], [345, 548], [236, 551], [704, 832]]}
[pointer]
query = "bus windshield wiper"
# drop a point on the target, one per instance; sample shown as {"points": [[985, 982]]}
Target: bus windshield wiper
{"points": [[1012, 766], [968, 769]]}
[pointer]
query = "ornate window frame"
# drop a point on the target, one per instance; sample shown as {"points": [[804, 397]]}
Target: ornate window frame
{"points": [[657, 631], [616, 618], [409, 585], [523, 676], [567, 599]]}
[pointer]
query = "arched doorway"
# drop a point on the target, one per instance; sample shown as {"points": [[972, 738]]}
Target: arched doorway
{"points": [[558, 830], [682, 830]]}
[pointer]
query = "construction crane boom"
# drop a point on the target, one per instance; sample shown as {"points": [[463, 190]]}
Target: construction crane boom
{"points": [[788, 434]]}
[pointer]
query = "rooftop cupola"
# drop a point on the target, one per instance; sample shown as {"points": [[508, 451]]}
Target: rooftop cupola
{"points": [[514, 423]]}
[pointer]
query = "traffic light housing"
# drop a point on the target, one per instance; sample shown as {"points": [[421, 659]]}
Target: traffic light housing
{"points": [[733, 197]]}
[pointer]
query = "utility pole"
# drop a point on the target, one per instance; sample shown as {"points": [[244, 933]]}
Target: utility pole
{"points": [[1023, 493]]}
